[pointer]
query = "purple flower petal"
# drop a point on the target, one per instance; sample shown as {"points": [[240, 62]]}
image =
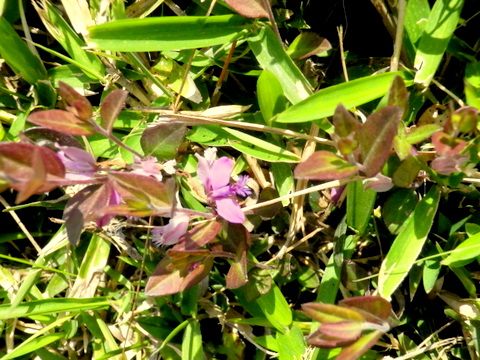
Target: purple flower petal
{"points": [[173, 231], [78, 163], [229, 209], [220, 172]]}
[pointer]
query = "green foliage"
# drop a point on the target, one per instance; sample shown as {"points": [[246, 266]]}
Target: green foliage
{"points": [[155, 162]]}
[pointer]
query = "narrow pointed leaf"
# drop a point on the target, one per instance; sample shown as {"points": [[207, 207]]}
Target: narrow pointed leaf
{"points": [[354, 93], [324, 165], [324, 313], [464, 253], [441, 24], [167, 33], [408, 244], [376, 138], [359, 347], [369, 305], [76, 100]]}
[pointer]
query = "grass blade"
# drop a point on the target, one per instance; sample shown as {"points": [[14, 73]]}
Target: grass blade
{"points": [[167, 33]]}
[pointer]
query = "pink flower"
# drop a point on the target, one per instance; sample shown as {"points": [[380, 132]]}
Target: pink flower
{"points": [[172, 232], [214, 174], [114, 199], [148, 167]]}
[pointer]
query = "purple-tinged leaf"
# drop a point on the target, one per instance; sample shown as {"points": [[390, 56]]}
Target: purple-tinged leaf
{"points": [[324, 165], [359, 347], [80, 104], [323, 341], [344, 122], [306, 44], [447, 145], [144, 192], [51, 137], [373, 308], [62, 121], [249, 8], [237, 274], [398, 94], [463, 120], [37, 180], [376, 138], [445, 165], [22, 163], [330, 313], [85, 206], [200, 235], [346, 330], [163, 140], [166, 281], [111, 107]]}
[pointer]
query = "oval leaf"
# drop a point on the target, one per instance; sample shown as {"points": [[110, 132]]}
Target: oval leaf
{"points": [[62, 121], [324, 165]]}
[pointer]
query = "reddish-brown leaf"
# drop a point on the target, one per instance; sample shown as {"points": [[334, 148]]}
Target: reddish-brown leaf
{"points": [[43, 135], [37, 180], [83, 207], [373, 308], [200, 235], [306, 44], [359, 347], [344, 122], [376, 138], [166, 281], [111, 107], [398, 94], [144, 192], [324, 165], [447, 145], [323, 341], [249, 8], [346, 330], [30, 169], [80, 104], [330, 313], [62, 121]]}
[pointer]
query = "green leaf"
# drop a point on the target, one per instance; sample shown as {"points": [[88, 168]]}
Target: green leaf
{"points": [[192, 348], [163, 140], [416, 17], [272, 57], [408, 244], [354, 93], [167, 33], [52, 306], [442, 22], [291, 345], [464, 253], [18, 56], [360, 204], [276, 309], [70, 41], [472, 84], [270, 96], [306, 44], [397, 208], [259, 148]]}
